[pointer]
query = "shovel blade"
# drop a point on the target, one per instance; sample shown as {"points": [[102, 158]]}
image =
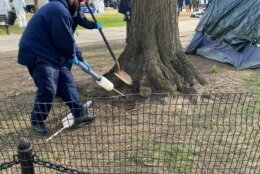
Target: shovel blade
{"points": [[68, 121], [122, 75]]}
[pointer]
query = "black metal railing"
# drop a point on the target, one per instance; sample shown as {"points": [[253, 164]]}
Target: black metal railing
{"points": [[215, 133]]}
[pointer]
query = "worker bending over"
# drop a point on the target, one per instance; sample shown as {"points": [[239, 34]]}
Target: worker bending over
{"points": [[48, 48]]}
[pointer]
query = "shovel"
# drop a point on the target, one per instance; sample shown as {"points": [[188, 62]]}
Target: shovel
{"points": [[122, 75], [67, 122], [100, 80]]}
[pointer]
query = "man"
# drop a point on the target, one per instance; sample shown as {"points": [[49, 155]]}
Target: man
{"points": [[99, 5], [195, 5], [19, 6], [4, 7], [125, 8], [188, 5], [180, 5], [47, 48]]}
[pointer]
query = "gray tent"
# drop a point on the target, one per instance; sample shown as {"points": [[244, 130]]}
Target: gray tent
{"points": [[229, 32]]}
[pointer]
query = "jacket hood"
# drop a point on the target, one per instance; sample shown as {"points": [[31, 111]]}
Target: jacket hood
{"points": [[64, 2]]}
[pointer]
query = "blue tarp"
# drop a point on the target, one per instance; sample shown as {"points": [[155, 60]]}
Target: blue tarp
{"points": [[229, 32]]}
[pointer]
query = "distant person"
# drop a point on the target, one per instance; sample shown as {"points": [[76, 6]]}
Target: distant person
{"points": [[180, 5], [125, 8], [99, 6], [114, 4], [107, 3], [195, 4], [4, 7], [188, 5], [19, 6]]}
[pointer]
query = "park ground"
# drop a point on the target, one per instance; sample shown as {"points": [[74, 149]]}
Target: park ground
{"points": [[16, 82], [205, 137]]}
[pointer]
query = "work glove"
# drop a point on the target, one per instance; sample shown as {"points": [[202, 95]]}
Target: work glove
{"points": [[99, 26], [74, 60], [86, 64]]}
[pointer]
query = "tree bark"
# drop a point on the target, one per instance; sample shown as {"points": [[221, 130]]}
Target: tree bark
{"points": [[36, 5], [154, 56]]}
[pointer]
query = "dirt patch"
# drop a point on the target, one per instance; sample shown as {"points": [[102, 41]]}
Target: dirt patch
{"points": [[16, 82], [225, 78]]}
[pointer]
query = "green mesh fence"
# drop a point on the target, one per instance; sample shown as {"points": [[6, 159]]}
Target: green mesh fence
{"points": [[215, 133]]}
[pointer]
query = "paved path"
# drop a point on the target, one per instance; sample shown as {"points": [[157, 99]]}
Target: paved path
{"points": [[9, 44]]}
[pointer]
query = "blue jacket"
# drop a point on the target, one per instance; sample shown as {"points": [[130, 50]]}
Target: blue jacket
{"points": [[81, 20], [187, 2], [125, 6], [49, 35]]}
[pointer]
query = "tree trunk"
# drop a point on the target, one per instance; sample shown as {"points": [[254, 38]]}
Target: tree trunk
{"points": [[36, 5], [154, 56]]}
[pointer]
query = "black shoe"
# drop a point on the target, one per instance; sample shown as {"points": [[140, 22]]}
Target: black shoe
{"points": [[86, 118], [40, 128]]}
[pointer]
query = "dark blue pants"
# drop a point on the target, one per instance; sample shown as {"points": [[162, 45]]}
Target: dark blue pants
{"points": [[51, 81]]}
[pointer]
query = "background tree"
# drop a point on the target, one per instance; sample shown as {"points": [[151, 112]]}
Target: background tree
{"points": [[36, 4], [154, 56]]}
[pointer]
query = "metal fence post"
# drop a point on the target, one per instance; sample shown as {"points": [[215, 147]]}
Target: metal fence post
{"points": [[24, 151]]}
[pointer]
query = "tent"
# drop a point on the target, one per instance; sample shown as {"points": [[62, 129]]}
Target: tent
{"points": [[229, 32]]}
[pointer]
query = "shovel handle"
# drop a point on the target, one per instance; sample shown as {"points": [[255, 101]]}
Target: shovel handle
{"points": [[92, 73], [55, 134], [102, 34]]}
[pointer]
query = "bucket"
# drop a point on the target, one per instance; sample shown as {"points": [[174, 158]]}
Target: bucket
{"points": [[11, 18]]}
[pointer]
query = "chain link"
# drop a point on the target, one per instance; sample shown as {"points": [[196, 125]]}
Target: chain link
{"points": [[56, 167], [10, 163]]}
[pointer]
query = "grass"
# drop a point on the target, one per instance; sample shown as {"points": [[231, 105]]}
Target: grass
{"points": [[253, 83], [15, 29], [111, 18], [214, 69], [176, 158]]}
